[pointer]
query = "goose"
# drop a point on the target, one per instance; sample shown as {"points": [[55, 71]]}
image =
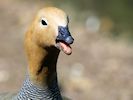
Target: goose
{"points": [[47, 35]]}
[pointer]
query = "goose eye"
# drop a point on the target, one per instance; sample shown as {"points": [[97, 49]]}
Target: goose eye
{"points": [[43, 22]]}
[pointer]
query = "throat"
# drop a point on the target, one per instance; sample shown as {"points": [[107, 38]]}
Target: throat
{"points": [[42, 67], [41, 82]]}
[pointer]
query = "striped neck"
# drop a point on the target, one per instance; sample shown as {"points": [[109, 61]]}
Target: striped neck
{"points": [[41, 82], [29, 91]]}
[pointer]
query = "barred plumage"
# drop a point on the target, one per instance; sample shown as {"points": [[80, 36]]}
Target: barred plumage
{"points": [[32, 92]]}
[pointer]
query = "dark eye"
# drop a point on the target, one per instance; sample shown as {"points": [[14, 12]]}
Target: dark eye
{"points": [[43, 22]]}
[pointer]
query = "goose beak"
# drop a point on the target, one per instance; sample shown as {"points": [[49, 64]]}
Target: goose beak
{"points": [[64, 40]]}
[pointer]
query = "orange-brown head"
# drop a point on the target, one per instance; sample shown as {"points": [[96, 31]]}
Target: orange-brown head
{"points": [[50, 28]]}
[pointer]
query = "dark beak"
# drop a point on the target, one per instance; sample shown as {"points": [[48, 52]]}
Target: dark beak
{"points": [[64, 35]]}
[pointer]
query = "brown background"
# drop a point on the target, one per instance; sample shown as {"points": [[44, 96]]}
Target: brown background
{"points": [[100, 68]]}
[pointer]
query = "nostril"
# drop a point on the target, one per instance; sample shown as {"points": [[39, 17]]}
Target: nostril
{"points": [[63, 34]]}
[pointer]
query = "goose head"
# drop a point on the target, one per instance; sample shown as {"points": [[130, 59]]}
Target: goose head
{"points": [[50, 28]]}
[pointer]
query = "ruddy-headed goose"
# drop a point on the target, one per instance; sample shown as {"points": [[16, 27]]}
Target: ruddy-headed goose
{"points": [[46, 36]]}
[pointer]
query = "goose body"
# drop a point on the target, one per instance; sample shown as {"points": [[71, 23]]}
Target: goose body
{"points": [[46, 37]]}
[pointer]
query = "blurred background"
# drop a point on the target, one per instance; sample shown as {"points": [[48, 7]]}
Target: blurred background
{"points": [[101, 66]]}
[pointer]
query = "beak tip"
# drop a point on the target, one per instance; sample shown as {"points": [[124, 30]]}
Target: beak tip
{"points": [[69, 40]]}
